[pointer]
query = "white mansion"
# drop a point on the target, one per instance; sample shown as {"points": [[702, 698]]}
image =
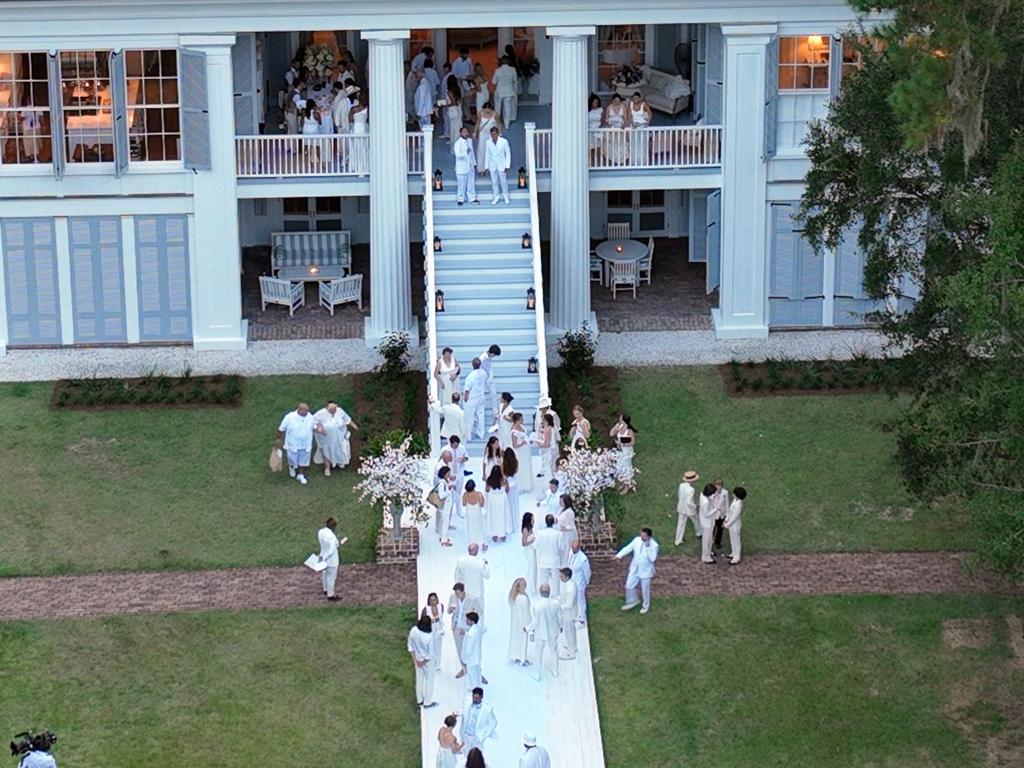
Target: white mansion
{"points": [[140, 152]]}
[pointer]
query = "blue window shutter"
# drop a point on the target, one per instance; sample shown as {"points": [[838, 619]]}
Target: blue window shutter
{"points": [[97, 281], [195, 111], [30, 271], [782, 279], [119, 106], [835, 66], [714, 75], [849, 281], [243, 70], [714, 244], [56, 115], [163, 278], [698, 245], [811, 268], [771, 97]]}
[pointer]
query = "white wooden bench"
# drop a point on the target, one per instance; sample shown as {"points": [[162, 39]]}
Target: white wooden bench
{"points": [[310, 255]]}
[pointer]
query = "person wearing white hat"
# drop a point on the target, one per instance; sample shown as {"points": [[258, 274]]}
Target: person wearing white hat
{"points": [[686, 506], [535, 756]]}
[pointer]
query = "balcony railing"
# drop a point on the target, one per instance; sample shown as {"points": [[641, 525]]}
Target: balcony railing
{"points": [[295, 155], [669, 147], [414, 152]]}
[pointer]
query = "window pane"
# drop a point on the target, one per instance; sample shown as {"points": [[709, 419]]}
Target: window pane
{"points": [[620, 199], [155, 125], [821, 77], [24, 108], [786, 81], [787, 50]]}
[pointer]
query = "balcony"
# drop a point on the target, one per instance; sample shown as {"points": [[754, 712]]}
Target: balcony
{"points": [[675, 147]]}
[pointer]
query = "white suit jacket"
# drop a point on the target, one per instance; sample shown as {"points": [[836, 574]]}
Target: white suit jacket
{"points": [[708, 513], [498, 156], [549, 548], [642, 564], [686, 504], [465, 155], [472, 645], [472, 571], [720, 501], [486, 722], [567, 592], [454, 420], [732, 520], [547, 619], [505, 81], [535, 757], [328, 546], [339, 112], [580, 565], [476, 385]]}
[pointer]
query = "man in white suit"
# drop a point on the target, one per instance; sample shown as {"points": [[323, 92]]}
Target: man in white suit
{"points": [[329, 554], [567, 602], [733, 523], [686, 506], [453, 418], [475, 398], [341, 106], [644, 550], [478, 721], [535, 756], [497, 161], [708, 512], [423, 99], [473, 648], [549, 554], [472, 570], [580, 565], [543, 629], [465, 167], [459, 606], [506, 91]]}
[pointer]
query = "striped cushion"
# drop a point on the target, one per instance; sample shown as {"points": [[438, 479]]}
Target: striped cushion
{"points": [[300, 249]]}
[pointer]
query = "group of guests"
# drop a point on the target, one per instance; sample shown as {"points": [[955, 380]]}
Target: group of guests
{"points": [[711, 514], [346, 111], [331, 426], [631, 115]]}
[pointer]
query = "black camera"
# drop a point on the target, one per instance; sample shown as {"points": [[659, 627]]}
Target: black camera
{"points": [[29, 740]]}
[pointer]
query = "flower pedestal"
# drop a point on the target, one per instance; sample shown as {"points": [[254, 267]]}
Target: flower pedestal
{"points": [[388, 549], [602, 541]]}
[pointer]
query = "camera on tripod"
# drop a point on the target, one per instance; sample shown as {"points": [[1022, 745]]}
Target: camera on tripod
{"points": [[28, 741]]}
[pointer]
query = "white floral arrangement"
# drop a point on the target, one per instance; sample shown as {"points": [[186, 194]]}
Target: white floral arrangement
{"points": [[318, 60], [394, 481], [588, 474]]}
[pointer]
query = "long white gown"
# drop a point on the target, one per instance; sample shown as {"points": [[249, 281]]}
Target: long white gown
{"points": [[518, 640], [361, 153], [526, 473], [445, 757], [497, 509], [530, 553], [505, 426], [445, 386], [624, 465], [474, 523], [334, 446], [513, 502], [481, 141]]}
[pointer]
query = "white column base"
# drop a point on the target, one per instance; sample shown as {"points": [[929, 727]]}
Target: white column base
{"points": [[553, 333], [225, 343], [375, 335], [736, 331]]}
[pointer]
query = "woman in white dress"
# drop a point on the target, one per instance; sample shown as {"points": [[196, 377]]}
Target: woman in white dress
{"points": [[616, 147], [311, 128], [445, 487], [529, 542], [518, 636], [510, 469], [625, 439], [521, 445], [503, 418], [486, 119], [595, 116], [448, 746], [481, 93], [640, 117], [360, 118], [580, 428], [453, 115], [474, 505], [447, 370], [548, 445], [435, 612], [333, 448], [492, 456], [497, 503]]}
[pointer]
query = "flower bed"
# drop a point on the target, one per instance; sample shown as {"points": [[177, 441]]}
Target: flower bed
{"points": [[149, 391], [802, 377]]}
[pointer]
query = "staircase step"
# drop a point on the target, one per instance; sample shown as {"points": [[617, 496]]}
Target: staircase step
{"points": [[482, 273], [522, 321], [486, 290], [483, 261], [463, 228], [479, 213], [504, 304], [449, 197], [477, 245], [513, 355]]}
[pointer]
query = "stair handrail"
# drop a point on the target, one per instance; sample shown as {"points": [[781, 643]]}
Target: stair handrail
{"points": [[538, 277], [433, 417]]}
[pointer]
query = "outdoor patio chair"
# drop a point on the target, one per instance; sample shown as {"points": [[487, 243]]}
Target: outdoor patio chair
{"points": [[283, 292], [645, 264], [335, 292], [623, 275], [596, 269], [617, 231]]}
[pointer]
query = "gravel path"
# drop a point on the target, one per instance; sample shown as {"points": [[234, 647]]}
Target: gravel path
{"points": [[102, 594]]}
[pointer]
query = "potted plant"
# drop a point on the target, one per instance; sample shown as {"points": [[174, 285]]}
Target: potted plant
{"points": [[394, 482]]}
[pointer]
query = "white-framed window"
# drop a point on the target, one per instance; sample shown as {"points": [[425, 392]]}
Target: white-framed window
{"points": [[803, 63], [88, 111], [24, 109], [619, 45], [154, 118]]}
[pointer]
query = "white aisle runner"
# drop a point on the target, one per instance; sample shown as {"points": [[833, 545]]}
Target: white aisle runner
{"points": [[561, 713]]}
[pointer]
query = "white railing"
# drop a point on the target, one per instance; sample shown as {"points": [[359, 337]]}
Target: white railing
{"points": [[670, 147], [414, 149], [433, 417], [538, 278], [337, 154]]}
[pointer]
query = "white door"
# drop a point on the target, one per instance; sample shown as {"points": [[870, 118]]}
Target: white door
{"points": [[312, 214]]}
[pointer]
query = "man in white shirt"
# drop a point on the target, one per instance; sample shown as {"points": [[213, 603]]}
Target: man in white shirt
{"points": [[707, 513], [296, 434], [465, 167], [472, 570], [478, 721], [644, 550], [567, 602], [329, 554], [462, 68], [720, 501], [535, 756], [487, 358], [341, 106], [579, 563], [686, 506], [733, 523], [421, 57], [549, 554], [420, 648], [551, 504], [458, 606], [474, 395], [497, 161], [433, 78], [506, 91], [293, 73], [472, 649], [424, 99], [453, 418], [460, 458], [543, 629]]}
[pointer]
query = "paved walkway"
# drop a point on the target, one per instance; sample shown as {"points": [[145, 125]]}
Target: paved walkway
{"points": [[103, 594]]}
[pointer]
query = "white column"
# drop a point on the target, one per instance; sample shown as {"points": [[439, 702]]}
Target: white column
{"points": [[215, 260], [67, 308], [4, 333], [743, 302], [129, 266], [570, 181], [390, 286]]}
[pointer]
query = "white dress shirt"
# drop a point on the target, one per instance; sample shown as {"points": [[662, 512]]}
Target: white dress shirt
{"points": [[732, 519], [328, 546], [686, 505], [498, 156], [472, 645], [339, 112], [476, 384], [580, 565], [567, 599], [549, 548], [419, 644], [465, 155], [298, 431]]}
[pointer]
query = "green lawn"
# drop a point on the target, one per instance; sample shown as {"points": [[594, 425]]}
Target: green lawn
{"points": [[820, 471], [264, 688], [861, 682], [158, 489]]}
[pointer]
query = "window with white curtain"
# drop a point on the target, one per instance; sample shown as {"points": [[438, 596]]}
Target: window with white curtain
{"points": [[154, 120], [24, 109], [803, 95]]}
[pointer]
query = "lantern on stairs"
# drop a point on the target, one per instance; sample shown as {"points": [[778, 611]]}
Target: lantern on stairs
{"points": [[527, 241], [531, 298], [523, 178], [439, 301], [438, 181], [531, 365], [437, 244]]}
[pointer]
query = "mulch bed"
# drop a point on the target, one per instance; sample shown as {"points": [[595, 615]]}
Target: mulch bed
{"points": [[774, 378], [224, 391], [598, 392], [383, 406]]}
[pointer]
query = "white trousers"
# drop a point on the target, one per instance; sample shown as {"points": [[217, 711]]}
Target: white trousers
{"points": [[569, 635], [549, 576], [425, 683], [734, 542], [681, 526], [631, 591], [444, 520], [475, 412], [508, 107], [329, 575], [545, 661], [492, 390], [467, 186], [499, 182], [474, 676], [581, 601], [707, 539]]}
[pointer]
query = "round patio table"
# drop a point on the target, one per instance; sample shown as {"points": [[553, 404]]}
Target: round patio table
{"points": [[609, 251]]}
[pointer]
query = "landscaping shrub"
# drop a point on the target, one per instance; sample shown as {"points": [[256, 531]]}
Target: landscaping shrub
{"points": [[418, 447], [394, 352], [149, 390], [576, 348]]}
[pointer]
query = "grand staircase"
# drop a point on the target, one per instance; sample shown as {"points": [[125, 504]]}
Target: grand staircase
{"points": [[485, 273]]}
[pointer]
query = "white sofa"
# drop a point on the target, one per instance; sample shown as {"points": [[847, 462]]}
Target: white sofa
{"points": [[664, 92]]}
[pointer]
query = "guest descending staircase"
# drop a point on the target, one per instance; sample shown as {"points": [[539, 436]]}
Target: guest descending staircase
{"points": [[485, 275]]}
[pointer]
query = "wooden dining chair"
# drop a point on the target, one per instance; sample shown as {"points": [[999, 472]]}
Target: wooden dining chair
{"points": [[623, 275], [646, 263], [617, 231]]}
